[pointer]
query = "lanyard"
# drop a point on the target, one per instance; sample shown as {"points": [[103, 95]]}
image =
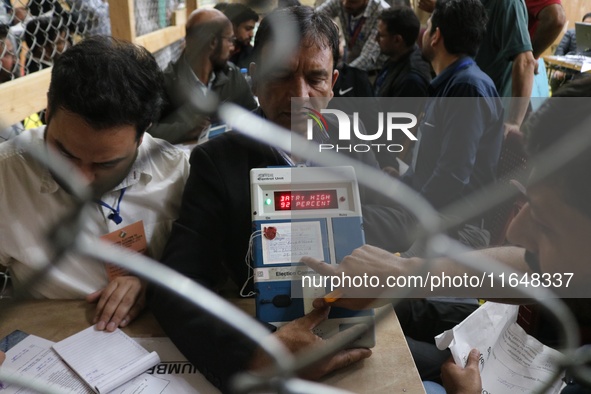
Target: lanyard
{"points": [[380, 80], [354, 32], [114, 216]]}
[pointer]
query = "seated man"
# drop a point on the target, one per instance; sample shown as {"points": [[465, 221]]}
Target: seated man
{"points": [[96, 120], [244, 20], [202, 68], [551, 231], [210, 240]]}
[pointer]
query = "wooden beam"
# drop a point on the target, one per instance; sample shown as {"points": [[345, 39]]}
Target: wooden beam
{"points": [[24, 96], [192, 5], [122, 19], [161, 38], [179, 17]]}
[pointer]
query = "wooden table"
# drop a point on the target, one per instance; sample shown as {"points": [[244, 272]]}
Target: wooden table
{"points": [[564, 62], [390, 369]]}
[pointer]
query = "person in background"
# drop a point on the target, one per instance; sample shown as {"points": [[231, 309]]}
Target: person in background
{"points": [[8, 65], [201, 75], [8, 60], [546, 19], [244, 20], [549, 235], [46, 38], [567, 46], [359, 20], [406, 73]]}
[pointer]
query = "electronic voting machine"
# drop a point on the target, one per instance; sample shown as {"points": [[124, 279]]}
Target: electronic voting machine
{"points": [[297, 212]]}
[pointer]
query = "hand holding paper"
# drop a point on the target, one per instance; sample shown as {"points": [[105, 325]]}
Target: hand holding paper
{"points": [[511, 361], [459, 380]]}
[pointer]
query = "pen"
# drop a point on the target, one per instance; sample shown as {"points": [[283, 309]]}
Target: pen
{"points": [[333, 296], [337, 294]]}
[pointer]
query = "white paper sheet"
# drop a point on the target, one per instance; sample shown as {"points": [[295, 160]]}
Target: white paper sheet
{"points": [[34, 359], [511, 361], [105, 360]]}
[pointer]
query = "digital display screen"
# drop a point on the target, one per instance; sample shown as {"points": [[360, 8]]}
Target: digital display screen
{"points": [[305, 199]]}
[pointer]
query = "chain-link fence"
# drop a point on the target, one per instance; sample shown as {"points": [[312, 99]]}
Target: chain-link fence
{"points": [[152, 15], [34, 32]]}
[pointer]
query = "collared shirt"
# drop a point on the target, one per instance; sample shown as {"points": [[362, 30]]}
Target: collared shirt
{"points": [[33, 204], [460, 135], [186, 73], [364, 52]]}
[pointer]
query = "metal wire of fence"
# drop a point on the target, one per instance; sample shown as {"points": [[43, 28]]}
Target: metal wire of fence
{"points": [[152, 15], [75, 22], [34, 32]]}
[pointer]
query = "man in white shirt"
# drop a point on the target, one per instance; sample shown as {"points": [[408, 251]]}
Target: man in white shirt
{"points": [[103, 95]]}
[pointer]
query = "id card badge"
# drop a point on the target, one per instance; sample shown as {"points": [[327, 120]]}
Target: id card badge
{"points": [[132, 237]]}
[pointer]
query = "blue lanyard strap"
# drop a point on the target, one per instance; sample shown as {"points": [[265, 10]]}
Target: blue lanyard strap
{"points": [[114, 216]]}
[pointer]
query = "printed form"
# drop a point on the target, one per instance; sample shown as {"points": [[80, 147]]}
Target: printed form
{"points": [[511, 361]]}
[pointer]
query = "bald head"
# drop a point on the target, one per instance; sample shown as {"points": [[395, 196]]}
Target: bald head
{"points": [[205, 15], [210, 38]]}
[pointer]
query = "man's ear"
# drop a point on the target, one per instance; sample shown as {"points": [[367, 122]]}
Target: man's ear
{"points": [[436, 37], [213, 42], [252, 71], [335, 76]]}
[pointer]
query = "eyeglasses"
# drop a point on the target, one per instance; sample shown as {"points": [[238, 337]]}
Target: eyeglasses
{"points": [[231, 39]]}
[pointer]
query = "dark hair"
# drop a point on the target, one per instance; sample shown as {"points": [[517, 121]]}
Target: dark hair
{"points": [[462, 24], [288, 3], [4, 29], [403, 21], [555, 120], [587, 15], [221, 6], [108, 82], [239, 13], [42, 31], [310, 25]]}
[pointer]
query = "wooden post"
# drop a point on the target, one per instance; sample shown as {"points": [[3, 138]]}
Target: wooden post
{"points": [[122, 19], [23, 96], [192, 5]]}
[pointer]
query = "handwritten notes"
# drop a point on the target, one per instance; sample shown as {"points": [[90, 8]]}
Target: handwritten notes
{"points": [[105, 360], [293, 241]]}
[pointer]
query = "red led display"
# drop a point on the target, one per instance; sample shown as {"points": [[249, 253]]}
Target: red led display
{"points": [[306, 199]]}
